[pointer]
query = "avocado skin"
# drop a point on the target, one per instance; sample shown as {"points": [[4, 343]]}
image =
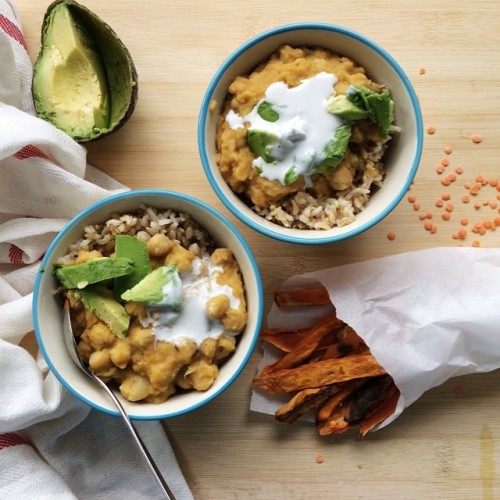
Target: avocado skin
{"points": [[99, 300], [119, 66]]}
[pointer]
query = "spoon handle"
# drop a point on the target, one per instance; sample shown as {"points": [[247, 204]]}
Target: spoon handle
{"points": [[149, 459]]}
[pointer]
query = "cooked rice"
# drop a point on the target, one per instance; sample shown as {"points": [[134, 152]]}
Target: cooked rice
{"points": [[143, 224]]}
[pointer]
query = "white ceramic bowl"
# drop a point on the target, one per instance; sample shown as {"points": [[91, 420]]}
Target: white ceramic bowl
{"points": [[401, 160], [47, 309]]}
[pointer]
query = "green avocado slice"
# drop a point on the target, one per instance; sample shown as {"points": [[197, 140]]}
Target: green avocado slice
{"points": [[99, 300], [93, 271], [130, 247], [335, 149]]}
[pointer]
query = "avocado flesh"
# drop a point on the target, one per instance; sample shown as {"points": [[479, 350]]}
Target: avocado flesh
{"points": [[136, 250], [69, 83], [162, 287], [93, 271], [100, 301], [117, 75]]}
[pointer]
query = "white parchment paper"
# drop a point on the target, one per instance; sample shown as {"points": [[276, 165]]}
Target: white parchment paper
{"points": [[427, 316]]}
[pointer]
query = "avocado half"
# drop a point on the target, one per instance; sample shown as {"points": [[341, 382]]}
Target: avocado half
{"points": [[84, 79]]}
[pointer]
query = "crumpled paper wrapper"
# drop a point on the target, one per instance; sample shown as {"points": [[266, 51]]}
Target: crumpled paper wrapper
{"points": [[427, 316]]}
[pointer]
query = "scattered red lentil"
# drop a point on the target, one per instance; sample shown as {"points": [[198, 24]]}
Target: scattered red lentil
{"points": [[446, 216], [428, 226], [479, 178], [493, 182], [476, 243], [429, 214], [320, 458], [391, 235], [467, 185], [497, 221], [487, 224], [422, 215], [474, 190], [459, 170], [439, 203], [440, 169], [448, 150], [476, 138], [412, 198], [416, 206], [445, 181], [477, 205], [449, 207], [434, 229], [431, 129], [465, 198], [445, 162], [464, 221], [493, 204], [446, 196], [462, 234], [455, 236], [421, 71]]}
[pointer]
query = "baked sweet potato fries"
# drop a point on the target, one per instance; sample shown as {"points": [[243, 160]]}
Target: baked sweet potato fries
{"points": [[326, 368]]}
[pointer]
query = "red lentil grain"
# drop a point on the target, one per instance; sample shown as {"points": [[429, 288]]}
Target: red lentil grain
{"points": [[445, 181], [431, 129], [434, 229], [474, 190], [421, 71], [452, 176], [476, 243], [440, 169], [487, 224], [465, 198], [497, 221], [477, 205], [422, 215], [429, 214], [391, 235], [446, 196], [479, 178], [445, 162], [446, 216], [455, 236], [464, 221], [448, 150], [482, 231], [493, 204], [416, 206], [428, 226], [476, 138], [412, 198], [449, 207], [462, 234], [459, 170], [493, 182], [320, 458], [439, 203], [467, 185]]}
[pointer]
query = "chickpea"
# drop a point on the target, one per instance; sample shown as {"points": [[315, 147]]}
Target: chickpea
{"points": [[217, 306], [136, 309], [159, 245], [100, 336], [225, 346], [201, 374], [135, 387], [208, 349], [235, 320], [139, 336], [100, 363], [120, 354]]}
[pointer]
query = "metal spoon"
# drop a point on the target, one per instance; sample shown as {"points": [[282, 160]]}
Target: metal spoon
{"points": [[70, 340]]}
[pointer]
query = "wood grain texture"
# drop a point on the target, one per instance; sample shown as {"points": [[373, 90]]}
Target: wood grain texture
{"points": [[445, 445]]}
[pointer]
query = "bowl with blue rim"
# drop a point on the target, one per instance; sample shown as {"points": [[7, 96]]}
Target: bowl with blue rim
{"points": [[310, 133]]}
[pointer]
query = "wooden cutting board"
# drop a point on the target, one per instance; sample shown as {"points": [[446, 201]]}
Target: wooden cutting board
{"points": [[446, 444]]}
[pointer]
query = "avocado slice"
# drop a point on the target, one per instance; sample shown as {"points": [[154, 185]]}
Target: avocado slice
{"points": [[130, 247], [341, 106], [101, 302], [161, 287], [93, 271], [335, 149], [267, 112], [84, 79]]}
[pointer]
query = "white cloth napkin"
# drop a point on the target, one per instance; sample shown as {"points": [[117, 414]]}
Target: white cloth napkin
{"points": [[52, 445]]}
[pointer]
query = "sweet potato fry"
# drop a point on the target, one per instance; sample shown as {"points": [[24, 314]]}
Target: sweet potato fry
{"points": [[308, 344], [305, 401], [348, 343], [366, 397], [336, 422], [285, 340], [384, 408], [325, 372], [346, 390], [302, 297]]}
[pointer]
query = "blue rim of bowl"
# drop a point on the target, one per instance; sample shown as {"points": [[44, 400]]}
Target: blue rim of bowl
{"points": [[138, 194], [205, 110]]}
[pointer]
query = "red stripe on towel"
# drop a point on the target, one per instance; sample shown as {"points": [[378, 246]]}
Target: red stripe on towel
{"points": [[30, 151], [10, 439], [12, 30], [15, 255]]}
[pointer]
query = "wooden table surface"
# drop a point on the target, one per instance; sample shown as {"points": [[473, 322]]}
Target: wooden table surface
{"points": [[446, 444]]}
